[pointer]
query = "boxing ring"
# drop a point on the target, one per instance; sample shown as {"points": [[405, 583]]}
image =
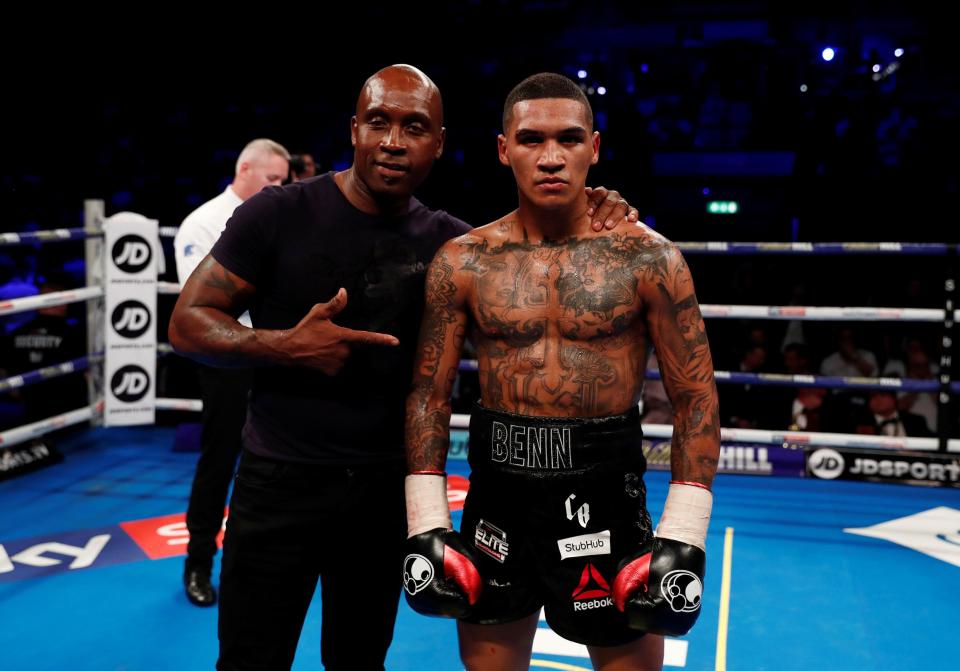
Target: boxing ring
{"points": [[804, 564]]}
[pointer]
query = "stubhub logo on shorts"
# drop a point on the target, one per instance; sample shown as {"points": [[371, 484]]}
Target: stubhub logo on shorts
{"points": [[585, 545]]}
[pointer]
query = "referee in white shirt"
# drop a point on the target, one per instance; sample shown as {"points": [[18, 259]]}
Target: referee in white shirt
{"points": [[223, 391]]}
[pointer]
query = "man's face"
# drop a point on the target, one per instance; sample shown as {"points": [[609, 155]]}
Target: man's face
{"points": [[795, 362], [882, 403], [550, 148], [309, 166], [266, 170], [396, 134], [918, 365], [754, 358]]}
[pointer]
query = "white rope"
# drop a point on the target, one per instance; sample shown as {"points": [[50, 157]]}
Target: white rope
{"points": [[782, 312], [802, 313], [27, 432], [21, 434], [190, 404], [15, 305], [48, 235], [812, 438], [168, 288], [787, 437]]}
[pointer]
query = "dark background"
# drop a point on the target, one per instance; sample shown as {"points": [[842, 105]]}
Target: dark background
{"points": [[150, 115], [148, 107]]}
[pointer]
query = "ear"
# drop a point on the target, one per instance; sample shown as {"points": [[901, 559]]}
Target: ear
{"points": [[596, 148], [353, 131], [442, 138], [502, 149]]}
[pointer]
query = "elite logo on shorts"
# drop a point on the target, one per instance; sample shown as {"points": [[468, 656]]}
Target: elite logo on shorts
{"points": [[593, 591], [491, 541]]}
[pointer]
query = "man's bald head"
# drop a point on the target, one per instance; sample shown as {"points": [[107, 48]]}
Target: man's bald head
{"points": [[397, 134], [406, 77]]}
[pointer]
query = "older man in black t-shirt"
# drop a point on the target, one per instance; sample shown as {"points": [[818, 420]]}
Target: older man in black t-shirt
{"points": [[319, 491]]}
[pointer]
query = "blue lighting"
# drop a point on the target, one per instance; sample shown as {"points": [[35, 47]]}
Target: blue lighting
{"points": [[827, 54], [582, 74]]}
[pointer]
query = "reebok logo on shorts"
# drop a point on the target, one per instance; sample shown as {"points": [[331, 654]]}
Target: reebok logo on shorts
{"points": [[593, 591], [491, 541], [585, 545]]}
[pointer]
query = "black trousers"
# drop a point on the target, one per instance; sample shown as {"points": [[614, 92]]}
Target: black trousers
{"points": [[291, 525], [224, 393]]}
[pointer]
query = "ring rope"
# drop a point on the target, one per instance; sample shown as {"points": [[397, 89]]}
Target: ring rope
{"points": [[460, 421], [51, 299], [781, 312], [468, 365], [711, 247]]}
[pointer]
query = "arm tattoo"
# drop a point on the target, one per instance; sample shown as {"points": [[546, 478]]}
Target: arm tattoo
{"points": [[687, 369], [442, 335]]}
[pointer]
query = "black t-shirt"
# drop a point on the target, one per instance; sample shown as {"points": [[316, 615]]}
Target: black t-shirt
{"points": [[299, 244]]}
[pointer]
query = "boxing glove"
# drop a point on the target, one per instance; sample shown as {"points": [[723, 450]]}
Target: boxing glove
{"points": [[660, 586], [440, 577]]}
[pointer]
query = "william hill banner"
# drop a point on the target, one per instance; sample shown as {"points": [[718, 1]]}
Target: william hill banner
{"points": [[735, 458], [130, 284]]}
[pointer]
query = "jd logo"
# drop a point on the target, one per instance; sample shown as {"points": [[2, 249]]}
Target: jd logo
{"points": [[130, 319], [826, 463], [131, 253], [130, 383]]}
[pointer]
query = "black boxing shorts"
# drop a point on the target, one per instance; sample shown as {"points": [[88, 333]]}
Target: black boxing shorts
{"points": [[554, 505]]}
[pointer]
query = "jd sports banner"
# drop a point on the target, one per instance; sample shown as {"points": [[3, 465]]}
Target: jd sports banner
{"points": [[130, 364]]}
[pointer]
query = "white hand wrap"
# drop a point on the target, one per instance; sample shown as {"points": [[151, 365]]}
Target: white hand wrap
{"points": [[686, 515], [427, 506]]}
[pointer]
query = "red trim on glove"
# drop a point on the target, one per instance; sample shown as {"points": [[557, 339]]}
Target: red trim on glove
{"points": [[427, 473], [632, 578], [692, 484], [462, 571]]}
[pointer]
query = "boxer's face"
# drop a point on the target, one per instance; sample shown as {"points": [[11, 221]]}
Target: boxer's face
{"points": [[396, 133], [550, 145]]}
